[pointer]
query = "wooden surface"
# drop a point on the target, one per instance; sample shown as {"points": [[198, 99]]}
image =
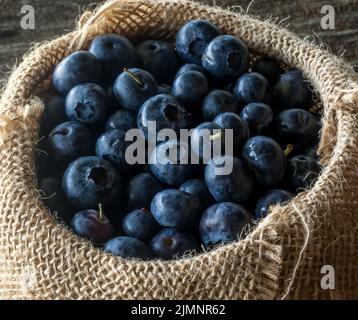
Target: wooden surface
{"points": [[58, 16]]}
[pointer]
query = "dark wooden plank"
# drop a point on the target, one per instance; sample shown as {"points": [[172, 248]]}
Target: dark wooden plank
{"points": [[57, 16]]}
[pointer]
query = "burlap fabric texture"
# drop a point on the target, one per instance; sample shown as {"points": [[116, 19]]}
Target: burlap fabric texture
{"points": [[281, 258]]}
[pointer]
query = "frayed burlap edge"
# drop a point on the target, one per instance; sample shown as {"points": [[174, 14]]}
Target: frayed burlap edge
{"points": [[283, 255]]}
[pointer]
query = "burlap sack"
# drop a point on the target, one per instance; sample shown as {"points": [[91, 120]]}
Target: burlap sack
{"points": [[281, 258]]}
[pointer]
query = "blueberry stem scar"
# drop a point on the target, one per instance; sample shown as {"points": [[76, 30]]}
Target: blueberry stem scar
{"points": [[135, 78], [288, 149]]}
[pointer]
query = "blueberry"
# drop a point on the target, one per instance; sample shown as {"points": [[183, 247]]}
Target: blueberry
{"points": [[140, 224], [298, 127], [89, 181], [133, 87], [164, 89], [128, 247], [191, 67], [258, 117], [141, 189], [175, 208], [193, 38], [230, 120], [223, 222], [190, 88], [115, 53], [92, 225], [111, 145], [302, 171], [170, 243], [269, 68], [170, 162], [123, 119], [216, 102], [87, 103], [198, 188], [206, 138], [167, 113], [235, 185], [54, 113], [252, 87], [266, 158], [226, 58], [270, 198], [69, 141], [79, 67], [160, 59], [292, 91]]}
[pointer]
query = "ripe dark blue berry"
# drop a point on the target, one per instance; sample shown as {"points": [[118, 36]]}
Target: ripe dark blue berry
{"points": [[226, 58], [266, 158], [111, 146], [170, 243], [235, 185], [92, 225], [302, 171], [218, 101], [230, 120], [89, 181], [198, 188], [193, 38], [123, 119], [292, 91], [252, 87], [190, 88], [165, 112], [79, 67], [270, 198], [170, 162], [269, 68], [133, 87], [175, 208], [223, 222], [87, 103], [128, 247], [258, 117], [140, 224], [160, 59], [298, 127], [115, 53], [69, 141], [141, 189]]}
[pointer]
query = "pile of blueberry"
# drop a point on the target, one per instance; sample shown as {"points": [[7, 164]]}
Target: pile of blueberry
{"points": [[205, 81]]}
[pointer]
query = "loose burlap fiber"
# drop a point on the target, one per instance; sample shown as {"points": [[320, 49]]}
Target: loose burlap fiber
{"points": [[283, 255]]}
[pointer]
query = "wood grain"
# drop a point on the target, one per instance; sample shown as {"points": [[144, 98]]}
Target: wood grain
{"points": [[57, 17]]}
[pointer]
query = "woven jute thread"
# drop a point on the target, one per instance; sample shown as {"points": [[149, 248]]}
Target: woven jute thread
{"points": [[283, 255]]}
